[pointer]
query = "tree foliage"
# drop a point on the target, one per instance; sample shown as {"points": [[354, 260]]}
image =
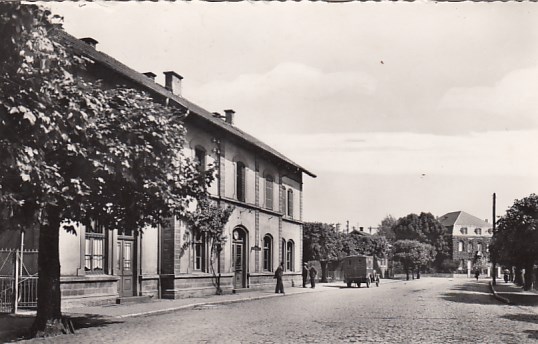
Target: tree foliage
{"points": [[515, 240], [425, 228], [385, 228], [412, 254], [73, 151]]}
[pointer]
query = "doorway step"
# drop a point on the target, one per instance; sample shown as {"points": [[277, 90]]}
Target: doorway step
{"points": [[125, 300]]}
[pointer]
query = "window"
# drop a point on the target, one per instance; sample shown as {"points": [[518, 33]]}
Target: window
{"points": [[470, 247], [283, 251], [290, 202], [267, 253], [289, 256], [240, 181], [460, 246], [199, 158], [462, 264], [463, 230], [94, 257], [490, 230], [479, 247], [478, 231], [199, 254], [269, 192]]}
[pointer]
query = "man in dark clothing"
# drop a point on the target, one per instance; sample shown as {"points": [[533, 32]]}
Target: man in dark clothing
{"points": [[313, 274], [305, 274], [278, 275]]}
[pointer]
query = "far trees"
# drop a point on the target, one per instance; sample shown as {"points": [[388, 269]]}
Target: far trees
{"points": [[515, 240], [321, 242], [412, 255], [425, 228], [385, 228]]}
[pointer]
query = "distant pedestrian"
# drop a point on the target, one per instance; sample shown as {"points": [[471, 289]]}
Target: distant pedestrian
{"points": [[278, 275], [305, 274], [476, 274], [506, 277], [313, 274]]}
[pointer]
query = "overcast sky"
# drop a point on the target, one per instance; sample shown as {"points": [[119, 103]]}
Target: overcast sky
{"points": [[397, 107]]}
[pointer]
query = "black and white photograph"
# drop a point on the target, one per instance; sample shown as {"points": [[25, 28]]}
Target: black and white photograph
{"points": [[268, 172]]}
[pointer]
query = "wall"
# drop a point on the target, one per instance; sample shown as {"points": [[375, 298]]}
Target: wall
{"points": [[72, 252]]}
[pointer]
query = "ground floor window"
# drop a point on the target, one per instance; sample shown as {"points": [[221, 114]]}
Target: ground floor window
{"points": [[94, 255], [267, 253], [289, 255], [199, 253]]}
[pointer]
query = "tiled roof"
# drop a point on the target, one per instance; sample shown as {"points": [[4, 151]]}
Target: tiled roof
{"points": [[151, 86], [462, 218]]}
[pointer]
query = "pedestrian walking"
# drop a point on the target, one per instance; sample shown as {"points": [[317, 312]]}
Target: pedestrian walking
{"points": [[278, 275], [313, 274], [305, 274], [476, 274]]}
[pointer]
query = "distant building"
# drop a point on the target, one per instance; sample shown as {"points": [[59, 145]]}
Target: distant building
{"points": [[471, 237]]}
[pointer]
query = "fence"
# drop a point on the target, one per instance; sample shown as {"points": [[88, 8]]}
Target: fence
{"points": [[18, 280]]}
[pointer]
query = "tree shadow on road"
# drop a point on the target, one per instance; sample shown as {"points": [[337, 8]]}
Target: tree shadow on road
{"points": [[532, 318], [472, 293], [16, 328]]}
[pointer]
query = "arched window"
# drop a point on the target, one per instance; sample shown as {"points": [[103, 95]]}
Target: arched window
{"points": [[240, 181], [283, 253], [290, 202], [267, 253], [269, 192], [460, 246], [289, 255]]}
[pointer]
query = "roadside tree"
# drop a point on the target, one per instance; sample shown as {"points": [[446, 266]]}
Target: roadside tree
{"points": [[321, 242], [515, 240], [72, 152], [385, 228], [412, 255]]}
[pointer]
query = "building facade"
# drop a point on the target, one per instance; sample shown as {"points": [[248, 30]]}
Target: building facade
{"points": [[101, 265], [471, 237]]}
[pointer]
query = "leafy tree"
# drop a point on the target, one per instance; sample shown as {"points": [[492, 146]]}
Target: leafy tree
{"points": [[515, 239], [208, 222], [369, 245], [413, 255], [385, 228], [71, 151], [426, 229], [321, 242]]}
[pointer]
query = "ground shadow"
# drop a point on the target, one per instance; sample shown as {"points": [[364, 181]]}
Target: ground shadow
{"points": [[471, 293], [533, 334], [532, 318], [521, 299], [16, 328]]}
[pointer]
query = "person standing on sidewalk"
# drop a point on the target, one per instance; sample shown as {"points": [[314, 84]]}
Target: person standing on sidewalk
{"points": [[476, 274], [278, 275], [313, 274], [305, 274]]}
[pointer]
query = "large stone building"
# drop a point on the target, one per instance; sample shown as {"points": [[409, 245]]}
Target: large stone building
{"points": [[265, 228], [470, 239]]}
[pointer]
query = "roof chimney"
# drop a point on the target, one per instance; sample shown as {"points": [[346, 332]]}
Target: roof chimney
{"points": [[150, 75], [229, 116], [90, 41], [172, 82]]}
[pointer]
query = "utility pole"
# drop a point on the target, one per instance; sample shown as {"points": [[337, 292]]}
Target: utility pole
{"points": [[493, 262]]}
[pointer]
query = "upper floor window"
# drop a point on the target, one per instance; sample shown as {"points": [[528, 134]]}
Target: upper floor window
{"points": [[267, 253], [470, 247], [478, 231], [200, 157], [94, 255], [290, 255], [460, 246], [290, 202], [269, 192], [463, 230], [240, 181], [479, 247]]}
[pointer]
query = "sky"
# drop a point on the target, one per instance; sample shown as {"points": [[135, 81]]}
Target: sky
{"points": [[397, 107]]}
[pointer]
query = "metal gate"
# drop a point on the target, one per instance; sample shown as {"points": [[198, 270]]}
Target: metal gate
{"points": [[18, 280]]}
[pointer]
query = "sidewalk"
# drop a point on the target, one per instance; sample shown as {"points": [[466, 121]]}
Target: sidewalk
{"points": [[511, 294]]}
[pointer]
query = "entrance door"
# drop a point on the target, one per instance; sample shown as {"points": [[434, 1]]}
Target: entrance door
{"points": [[238, 258], [124, 266]]}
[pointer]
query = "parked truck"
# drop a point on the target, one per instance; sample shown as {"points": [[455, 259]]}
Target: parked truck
{"points": [[359, 269]]}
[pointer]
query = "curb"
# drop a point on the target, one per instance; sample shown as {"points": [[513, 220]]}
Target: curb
{"points": [[497, 296]]}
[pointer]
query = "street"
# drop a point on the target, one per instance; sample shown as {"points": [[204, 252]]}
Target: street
{"points": [[429, 310]]}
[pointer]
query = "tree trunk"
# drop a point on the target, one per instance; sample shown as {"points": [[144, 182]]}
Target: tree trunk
{"points": [[407, 274], [324, 264], [529, 277], [418, 273], [494, 273], [48, 321], [518, 278]]}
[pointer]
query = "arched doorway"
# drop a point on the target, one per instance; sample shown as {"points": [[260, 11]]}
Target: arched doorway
{"points": [[239, 257]]}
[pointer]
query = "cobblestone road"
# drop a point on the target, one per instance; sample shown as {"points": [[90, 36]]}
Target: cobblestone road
{"points": [[422, 311]]}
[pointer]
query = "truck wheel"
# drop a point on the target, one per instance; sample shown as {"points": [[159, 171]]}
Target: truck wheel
{"points": [[358, 284], [368, 283], [349, 284], [377, 282]]}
